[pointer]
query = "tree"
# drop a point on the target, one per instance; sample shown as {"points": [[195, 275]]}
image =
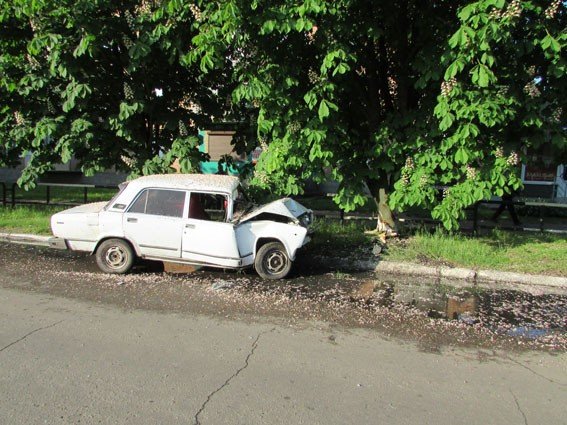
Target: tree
{"points": [[103, 81], [379, 92], [503, 93]]}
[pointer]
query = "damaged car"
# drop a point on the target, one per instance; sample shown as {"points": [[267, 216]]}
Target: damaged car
{"points": [[186, 218]]}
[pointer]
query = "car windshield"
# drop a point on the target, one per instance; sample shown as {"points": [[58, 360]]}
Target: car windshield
{"points": [[121, 188]]}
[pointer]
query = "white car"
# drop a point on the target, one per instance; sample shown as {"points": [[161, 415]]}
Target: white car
{"points": [[186, 218]]}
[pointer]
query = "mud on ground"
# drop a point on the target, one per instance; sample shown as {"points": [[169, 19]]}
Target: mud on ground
{"points": [[412, 310]]}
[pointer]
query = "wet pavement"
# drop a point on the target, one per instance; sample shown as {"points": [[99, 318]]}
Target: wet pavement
{"points": [[420, 310]]}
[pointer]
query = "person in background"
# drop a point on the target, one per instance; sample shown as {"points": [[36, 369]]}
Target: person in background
{"points": [[507, 203]]}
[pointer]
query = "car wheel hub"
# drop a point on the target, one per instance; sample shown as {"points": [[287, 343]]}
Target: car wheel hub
{"points": [[115, 257], [275, 261]]}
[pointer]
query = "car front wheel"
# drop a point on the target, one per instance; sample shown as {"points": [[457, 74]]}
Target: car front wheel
{"points": [[115, 256], [272, 261]]}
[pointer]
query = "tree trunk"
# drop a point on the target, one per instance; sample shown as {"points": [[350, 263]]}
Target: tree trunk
{"points": [[385, 223], [378, 189]]}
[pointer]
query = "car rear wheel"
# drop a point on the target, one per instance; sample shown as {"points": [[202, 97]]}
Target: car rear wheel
{"points": [[272, 261], [115, 256]]}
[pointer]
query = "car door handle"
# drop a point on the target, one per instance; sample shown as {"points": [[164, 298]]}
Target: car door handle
{"points": [[132, 220], [189, 226]]}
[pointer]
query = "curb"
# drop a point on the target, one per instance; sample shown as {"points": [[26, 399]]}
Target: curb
{"points": [[473, 276], [456, 276], [25, 239]]}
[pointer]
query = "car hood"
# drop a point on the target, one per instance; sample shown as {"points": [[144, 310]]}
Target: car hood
{"points": [[286, 207]]}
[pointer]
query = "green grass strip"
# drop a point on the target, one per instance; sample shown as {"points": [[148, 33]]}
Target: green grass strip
{"points": [[27, 219], [521, 252]]}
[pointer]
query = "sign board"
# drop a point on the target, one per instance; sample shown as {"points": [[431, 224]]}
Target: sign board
{"points": [[540, 169], [539, 174]]}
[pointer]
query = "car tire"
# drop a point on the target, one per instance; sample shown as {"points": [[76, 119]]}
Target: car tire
{"points": [[272, 261], [115, 256]]}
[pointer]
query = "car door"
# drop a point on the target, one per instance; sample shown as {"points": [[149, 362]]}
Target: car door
{"points": [[154, 222], [207, 236]]}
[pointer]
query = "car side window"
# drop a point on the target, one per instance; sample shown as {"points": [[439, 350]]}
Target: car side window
{"points": [[164, 202], [208, 206]]}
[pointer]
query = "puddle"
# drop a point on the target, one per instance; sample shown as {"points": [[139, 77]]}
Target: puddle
{"points": [[505, 312], [509, 312]]}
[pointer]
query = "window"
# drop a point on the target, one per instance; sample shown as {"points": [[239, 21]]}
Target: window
{"points": [[168, 203], [208, 206]]}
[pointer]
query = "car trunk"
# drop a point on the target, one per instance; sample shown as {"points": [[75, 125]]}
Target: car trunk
{"points": [[78, 223]]}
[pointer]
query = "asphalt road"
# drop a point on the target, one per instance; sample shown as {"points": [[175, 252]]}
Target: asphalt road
{"points": [[64, 361], [78, 358]]}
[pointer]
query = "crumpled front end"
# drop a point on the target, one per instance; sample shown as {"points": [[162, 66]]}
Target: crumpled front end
{"points": [[286, 208]]}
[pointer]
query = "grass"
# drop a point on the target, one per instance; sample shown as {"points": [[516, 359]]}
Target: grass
{"points": [[27, 219], [521, 252], [332, 237]]}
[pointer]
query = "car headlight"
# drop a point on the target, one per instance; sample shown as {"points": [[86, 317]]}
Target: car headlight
{"points": [[306, 219]]}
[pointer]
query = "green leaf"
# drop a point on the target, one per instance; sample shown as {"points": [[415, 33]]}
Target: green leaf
{"points": [[139, 50], [465, 13], [457, 38], [462, 156], [311, 99], [83, 46], [550, 43], [446, 122], [268, 27], [456, 66], [341, 68], [126, 110], [206, 63], [482, 75], [323, 110]]}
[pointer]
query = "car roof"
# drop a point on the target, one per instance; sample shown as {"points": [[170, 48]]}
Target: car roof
{"points": [[203, 182]]}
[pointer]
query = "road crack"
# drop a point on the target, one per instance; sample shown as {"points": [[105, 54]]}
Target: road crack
{"points": [[28, 334], [231, 377], [535, 373], [518, 407]]}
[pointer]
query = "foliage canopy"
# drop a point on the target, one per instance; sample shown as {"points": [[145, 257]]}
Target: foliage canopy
{"points": [[103, 81], [408, 95], [415, 95]]}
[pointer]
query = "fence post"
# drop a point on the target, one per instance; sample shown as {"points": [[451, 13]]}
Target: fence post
{"points": [[475, 218], [13, 194]]}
